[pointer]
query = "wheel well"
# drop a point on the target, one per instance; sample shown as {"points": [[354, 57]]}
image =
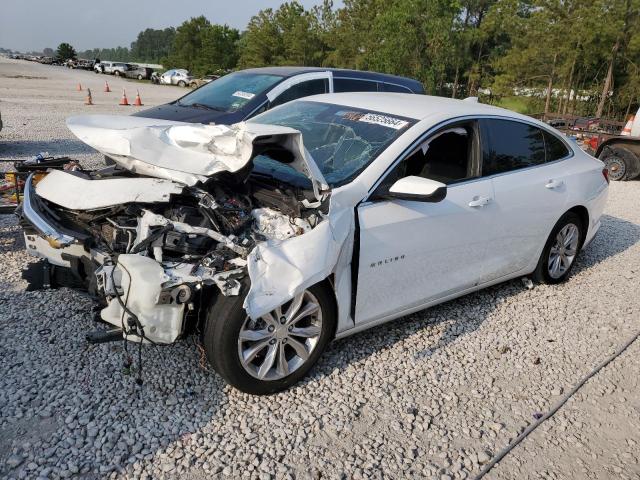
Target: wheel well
{"points": [[632, 145], [329, 284], [583, 213]]}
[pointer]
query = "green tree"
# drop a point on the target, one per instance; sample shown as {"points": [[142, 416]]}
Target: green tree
{"points": [[289, 35], [219, 49], [65, 52], [187, 45], [152, 45]]}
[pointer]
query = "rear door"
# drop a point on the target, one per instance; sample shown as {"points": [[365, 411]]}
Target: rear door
{"points": [[525, 164]]}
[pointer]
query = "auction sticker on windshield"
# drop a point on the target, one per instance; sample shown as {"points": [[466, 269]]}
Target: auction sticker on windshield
{"points": [[383, 120], [241, 94]]}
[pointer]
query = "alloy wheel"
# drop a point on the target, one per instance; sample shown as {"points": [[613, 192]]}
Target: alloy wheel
{"points": [[280, 342], [563, 251]]}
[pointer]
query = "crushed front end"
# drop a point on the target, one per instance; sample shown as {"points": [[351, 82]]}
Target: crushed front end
{"points": [[154, 251]]}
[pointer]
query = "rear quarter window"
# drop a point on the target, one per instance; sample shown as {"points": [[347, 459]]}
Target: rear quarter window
{"points": [[555, 148]]}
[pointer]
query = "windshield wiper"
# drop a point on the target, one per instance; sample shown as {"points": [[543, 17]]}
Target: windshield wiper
{"points": [[200, 105]]}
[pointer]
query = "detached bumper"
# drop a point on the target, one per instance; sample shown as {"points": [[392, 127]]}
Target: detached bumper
{"points": [[31, 211], [46, 239]]}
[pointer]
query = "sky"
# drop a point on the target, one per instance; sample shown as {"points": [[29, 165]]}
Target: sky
{"points": [[32, 25]]}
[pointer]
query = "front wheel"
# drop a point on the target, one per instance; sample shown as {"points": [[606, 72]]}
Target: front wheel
{"points": [[274, 352], [116, 73], [139, 77], [560, 251]]}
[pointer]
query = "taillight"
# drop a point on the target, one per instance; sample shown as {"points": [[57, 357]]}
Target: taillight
{"points": [[605, 174]]}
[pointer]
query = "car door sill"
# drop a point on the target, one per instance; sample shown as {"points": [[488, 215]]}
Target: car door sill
{"points": [[379, 321]]}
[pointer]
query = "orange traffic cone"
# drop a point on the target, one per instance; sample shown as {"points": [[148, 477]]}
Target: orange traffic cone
{"points": [[137, 102], [124, 100], [89, 100], [626, 131], [79, 87], [106, 87]]}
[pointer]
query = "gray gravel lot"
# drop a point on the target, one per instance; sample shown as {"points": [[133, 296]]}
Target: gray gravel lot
{"points": [[432, 395]]}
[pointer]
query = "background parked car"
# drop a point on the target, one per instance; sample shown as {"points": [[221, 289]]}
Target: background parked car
{"points": [[179, 77], [198, 82], [119, 69], [241, 95], [103, 67], [136, 71]]}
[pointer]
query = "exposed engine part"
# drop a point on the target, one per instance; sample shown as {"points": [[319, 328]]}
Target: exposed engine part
{"points": [[276, 226]]}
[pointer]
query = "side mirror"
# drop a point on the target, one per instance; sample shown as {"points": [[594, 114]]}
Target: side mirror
{"points": [[418, 189]]}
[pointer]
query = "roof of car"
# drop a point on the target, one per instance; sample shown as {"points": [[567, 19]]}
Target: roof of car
{"points": [[291, 71], [408, 105]]}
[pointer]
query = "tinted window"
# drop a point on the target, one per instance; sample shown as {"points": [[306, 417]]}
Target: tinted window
{"points": [[556, 149], [388, 87], [302, 89], [352, 85], [509, 145]]}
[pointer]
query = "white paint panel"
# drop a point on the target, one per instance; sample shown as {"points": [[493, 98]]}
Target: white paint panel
{"points": [[77, 193], [185, 152], [411, 252]]}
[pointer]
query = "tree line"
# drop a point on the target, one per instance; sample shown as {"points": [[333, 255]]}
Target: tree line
{"points": [[566, 56]]}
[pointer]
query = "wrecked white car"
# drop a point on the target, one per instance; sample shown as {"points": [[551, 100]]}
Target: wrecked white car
{"points": [[314, 220]]}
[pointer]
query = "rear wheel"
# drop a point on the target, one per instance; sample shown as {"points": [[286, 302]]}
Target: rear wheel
{"points": [[560, 251], [116, 73], [139, 77], [621, 163], [181, 83], [271, 353]]}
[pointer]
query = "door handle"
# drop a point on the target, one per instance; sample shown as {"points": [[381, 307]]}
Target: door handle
{"points": [[479, 201], [551, 184]]}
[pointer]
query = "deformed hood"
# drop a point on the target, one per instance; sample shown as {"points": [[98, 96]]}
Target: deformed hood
{"points": [[189, 153]]}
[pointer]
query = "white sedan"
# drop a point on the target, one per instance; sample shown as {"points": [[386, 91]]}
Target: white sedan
{"points": [[312, 221]]}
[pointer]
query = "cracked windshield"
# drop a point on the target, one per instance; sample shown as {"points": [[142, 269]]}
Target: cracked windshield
{"points": [[342, 141]]}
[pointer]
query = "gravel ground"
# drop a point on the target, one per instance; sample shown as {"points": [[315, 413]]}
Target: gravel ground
{"points": [[432, 395]]}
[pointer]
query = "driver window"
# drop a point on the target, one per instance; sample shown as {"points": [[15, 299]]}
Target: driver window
{"points": [[447, 157]]}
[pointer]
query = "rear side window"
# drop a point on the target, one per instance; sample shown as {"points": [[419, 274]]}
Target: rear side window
{"points": [[353, 85], [302, 89], [389, 87], [508, 145], [556, 149]]}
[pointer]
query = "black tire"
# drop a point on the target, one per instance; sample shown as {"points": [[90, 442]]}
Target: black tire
{"points": [[224, 322], [621, 163], [116, 73], [181, 83], [542, 272], [139, 77]]}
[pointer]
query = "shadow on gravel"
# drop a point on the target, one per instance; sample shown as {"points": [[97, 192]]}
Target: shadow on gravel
{"points": [[465, 314], [614, 237], [29, 148]]}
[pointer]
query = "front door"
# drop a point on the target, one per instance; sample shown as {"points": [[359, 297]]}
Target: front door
{"points": [[412, 252]]}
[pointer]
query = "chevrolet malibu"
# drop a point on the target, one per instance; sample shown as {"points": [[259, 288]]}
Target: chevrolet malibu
{"points": [[312, 221]]}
